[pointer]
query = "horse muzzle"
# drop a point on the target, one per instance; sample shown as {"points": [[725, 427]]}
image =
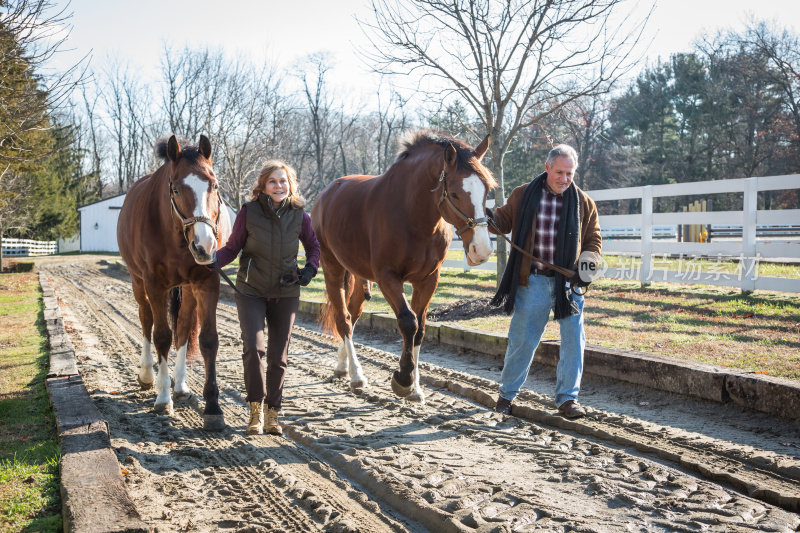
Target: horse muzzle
{"points": [[479, 249], [201, 254]]}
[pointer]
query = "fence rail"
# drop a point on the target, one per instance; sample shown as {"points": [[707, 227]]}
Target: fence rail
{"points": [[747, 236], [748, 248], [27, 247]]}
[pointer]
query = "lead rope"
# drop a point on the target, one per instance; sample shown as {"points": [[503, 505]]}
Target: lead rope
{"points": [[566, 272]]}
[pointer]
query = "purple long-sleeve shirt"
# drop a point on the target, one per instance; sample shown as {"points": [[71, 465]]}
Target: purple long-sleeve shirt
{"points": [[236, 241]]}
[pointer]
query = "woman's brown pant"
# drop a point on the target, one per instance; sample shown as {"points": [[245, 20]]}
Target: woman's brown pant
{"points": [[278, 315]]}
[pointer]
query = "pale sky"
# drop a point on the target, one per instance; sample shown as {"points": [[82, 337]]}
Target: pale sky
{"points": [[287, 30]]}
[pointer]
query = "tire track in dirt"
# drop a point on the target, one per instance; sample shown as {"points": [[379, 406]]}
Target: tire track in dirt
{"points": [[450, 464], [768, 476], [173, 468]]}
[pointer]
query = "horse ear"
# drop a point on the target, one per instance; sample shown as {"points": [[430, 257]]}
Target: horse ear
{"points": [[173, 149], [480, 150], [450, 155], [205, 147]]}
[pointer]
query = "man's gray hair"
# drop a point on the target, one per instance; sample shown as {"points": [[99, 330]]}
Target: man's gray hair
{"points": [[562, 150]]}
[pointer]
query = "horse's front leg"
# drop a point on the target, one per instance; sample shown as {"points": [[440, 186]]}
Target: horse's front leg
{"points": [[338, 306], [207, 296], [420, 299], [403, 377], [162, 340], [187, 327], [146, 376]]}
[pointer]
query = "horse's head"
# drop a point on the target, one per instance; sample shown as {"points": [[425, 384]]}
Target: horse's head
{"points": [[194, 195], [465, 184]]}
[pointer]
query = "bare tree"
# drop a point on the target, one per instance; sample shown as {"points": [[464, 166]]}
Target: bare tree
{"points": [[782, 50], [129, 123], [322, 123], [513, 62], [392, 119], [244, 126], [193, 99], [31, 33]]}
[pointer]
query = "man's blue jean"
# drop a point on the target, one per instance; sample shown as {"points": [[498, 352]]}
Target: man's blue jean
{"points": [[531, 311]]}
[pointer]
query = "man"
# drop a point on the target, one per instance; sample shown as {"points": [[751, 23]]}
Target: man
{"points": [[555, 221]]}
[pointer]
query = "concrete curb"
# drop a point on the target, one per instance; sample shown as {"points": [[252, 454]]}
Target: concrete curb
{"points": [[93, 493], [774, 396]]}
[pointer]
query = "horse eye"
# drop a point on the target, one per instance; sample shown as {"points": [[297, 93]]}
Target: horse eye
{"points": [[215, 187], [176, 192], [454, 195]]}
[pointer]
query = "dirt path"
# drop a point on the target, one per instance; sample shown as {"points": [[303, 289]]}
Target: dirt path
{"points": [[643, 461]]}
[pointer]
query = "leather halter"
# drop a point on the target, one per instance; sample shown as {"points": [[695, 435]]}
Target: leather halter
{"points": [[187, 223], [470, 223]]}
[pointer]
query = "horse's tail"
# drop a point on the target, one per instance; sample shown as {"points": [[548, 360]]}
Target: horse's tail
{"points": [[367, 285], [173, 308], [327, 319], [326, 322]]}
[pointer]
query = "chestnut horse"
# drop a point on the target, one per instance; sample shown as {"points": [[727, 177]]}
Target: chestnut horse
{"points": [[166, 251], [396, 228]]}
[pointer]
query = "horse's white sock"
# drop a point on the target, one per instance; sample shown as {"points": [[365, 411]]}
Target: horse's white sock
{"points": [[417, 386], [356, 373], [341, 365], [163, 397], [146, 374], [181, 389]]}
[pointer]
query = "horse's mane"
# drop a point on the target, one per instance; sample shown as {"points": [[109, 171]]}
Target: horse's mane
{"points": [[465, 159], [189, 151]]}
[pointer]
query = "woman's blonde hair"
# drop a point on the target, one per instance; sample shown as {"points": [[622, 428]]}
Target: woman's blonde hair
{"points": [[295, 198]]}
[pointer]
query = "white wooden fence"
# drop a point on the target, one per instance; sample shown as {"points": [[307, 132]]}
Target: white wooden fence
{"points": [[640, 229], [27, 247], [749, 250]]}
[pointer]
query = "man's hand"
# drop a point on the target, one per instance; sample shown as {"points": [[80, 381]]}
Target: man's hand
{"points": [[306, 275], [576, 281]]}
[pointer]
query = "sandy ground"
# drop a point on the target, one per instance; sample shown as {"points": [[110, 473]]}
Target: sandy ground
{"points": [[642, 460]]}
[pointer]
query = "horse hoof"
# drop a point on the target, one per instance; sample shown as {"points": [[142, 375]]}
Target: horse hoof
{"points": [[163, 408], [359, 385], [340, 373], [401, 390], [214, 422], [416, 397], [143, 385], [182, 396]]}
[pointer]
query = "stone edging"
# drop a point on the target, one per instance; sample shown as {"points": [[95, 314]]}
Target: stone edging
{"points": [[93, 493], [771, 395]]}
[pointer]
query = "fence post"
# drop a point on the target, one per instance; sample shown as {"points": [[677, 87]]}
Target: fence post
{"points": [[645, 273], [749, 214]]}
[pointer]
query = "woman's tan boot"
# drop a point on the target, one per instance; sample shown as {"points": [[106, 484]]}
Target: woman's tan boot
{"points": [[256, 424], [273, 428]]}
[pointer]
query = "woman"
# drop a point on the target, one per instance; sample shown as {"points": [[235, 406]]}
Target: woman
{"points": [[268, 230]]}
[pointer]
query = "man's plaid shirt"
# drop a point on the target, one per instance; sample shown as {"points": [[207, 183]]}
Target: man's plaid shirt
{"points": [[544, 244]]}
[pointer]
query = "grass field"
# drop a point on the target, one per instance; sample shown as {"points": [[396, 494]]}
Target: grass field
{"points": [[759, 332], [29, 452]]}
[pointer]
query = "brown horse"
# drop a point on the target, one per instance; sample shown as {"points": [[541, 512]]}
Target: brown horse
{"points": [[396, 228], [165, 250]]}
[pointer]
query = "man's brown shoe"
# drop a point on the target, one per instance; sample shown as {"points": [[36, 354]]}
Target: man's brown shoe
{"points": [[503, 406], [571, 409]]}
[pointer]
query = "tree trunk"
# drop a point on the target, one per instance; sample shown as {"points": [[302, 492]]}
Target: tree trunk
{"points": [[499, 201]]}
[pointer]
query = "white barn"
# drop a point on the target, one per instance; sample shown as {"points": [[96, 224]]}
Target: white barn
{"points": [[99, 225]]}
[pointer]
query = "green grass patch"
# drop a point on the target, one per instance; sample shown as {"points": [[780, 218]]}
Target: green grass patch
{"points": [[29, 451]]}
